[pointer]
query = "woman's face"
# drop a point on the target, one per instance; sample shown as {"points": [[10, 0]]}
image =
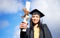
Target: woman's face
{"points": [[35, 18]]}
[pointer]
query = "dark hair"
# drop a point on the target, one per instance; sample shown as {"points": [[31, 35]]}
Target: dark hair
{"points": [[40, 25]]}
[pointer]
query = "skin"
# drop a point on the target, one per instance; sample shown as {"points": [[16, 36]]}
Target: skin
{"points": [[26, 12], [35, 20]]}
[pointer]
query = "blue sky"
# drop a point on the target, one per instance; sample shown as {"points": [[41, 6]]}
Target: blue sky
{"points": [[9, 18], [11, 12]]}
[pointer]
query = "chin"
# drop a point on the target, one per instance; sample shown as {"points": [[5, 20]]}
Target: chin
{"points": [[35, 22]]}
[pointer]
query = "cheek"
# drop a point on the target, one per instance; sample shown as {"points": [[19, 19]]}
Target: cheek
{"points": [[32, 19], [35, 19]]}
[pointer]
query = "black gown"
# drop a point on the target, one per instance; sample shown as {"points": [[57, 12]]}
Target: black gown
{"points": [[45, 33]]}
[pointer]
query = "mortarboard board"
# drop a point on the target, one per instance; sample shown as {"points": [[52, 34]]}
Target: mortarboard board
{"points": [[35, 11]]}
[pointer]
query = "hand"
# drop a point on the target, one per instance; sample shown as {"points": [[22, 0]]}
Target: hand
{"points": [[23, 25], [25, 11]]}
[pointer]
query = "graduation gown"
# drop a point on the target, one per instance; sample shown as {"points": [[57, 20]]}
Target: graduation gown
{"points": [[45, 33]]}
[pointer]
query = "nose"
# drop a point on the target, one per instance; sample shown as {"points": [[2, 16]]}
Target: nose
{"points": [[35, 18]]}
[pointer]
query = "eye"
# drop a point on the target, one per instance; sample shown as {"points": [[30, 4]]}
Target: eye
{"points": [[33, 16], [37, 16]]}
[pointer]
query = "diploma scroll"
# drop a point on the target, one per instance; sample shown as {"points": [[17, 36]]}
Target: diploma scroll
{"points": [[26, 13]]}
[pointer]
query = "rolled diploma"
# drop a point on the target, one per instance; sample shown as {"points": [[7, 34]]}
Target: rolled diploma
{"points": [[28, 9]]}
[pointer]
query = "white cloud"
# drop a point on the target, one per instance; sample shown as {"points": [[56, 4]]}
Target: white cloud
{"points": [[39, 4], [51, 9], [17, 32], [10, 6], [4, 24]]}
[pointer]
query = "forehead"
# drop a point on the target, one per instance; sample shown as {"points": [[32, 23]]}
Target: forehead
{"points": [[35, 15]]}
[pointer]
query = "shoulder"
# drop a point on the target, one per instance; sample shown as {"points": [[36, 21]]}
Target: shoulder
{"points": [[47, 31], [45, 25]]}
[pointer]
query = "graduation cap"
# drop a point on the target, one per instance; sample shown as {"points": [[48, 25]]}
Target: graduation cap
{"points": [[35, 11]]}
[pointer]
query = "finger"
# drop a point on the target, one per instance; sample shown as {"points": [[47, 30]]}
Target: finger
{"points": [[21, 27]]}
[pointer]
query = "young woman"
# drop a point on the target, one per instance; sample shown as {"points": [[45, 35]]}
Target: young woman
{"points": [[37, 29]]}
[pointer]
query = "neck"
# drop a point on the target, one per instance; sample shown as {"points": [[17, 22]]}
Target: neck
{"points": [[35, 25]]}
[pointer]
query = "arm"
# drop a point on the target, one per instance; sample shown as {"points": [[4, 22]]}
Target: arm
{"points": [[47, 32], [23, 26], [24, 34]]}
